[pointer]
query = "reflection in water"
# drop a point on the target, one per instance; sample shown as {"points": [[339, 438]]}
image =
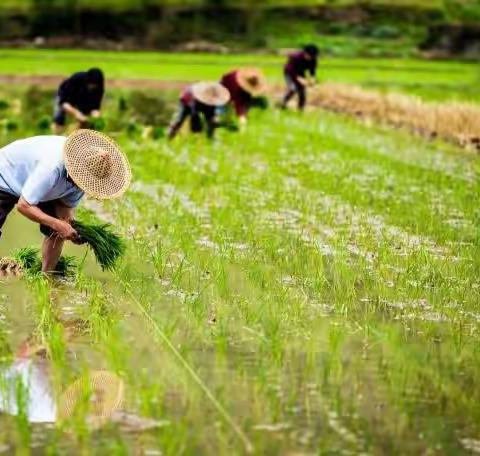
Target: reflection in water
{"points": [[98, 396], [26, 388], [29, 375]]}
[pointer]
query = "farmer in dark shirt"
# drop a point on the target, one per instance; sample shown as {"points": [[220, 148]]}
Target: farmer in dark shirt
{"points": [[200, 102], [244, 86], [295, 71], [80, 96]]}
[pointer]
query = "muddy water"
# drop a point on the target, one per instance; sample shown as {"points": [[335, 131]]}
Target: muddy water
{"points": [[20, 321]]}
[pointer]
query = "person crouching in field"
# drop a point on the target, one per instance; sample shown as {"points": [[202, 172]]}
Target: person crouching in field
{"points": [[47, 176], [244, 86], [200, 102], [295, 71], [79, 96]]}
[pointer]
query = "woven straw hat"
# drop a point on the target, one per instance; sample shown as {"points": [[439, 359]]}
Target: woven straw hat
{"points": [[96, 164], [252, 80], [211, 93], [98, 395]]}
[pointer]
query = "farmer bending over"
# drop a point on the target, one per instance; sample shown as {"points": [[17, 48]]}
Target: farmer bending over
{"points": [[47, 176], [244, 86], [200, 102], [80, 96], [295, 71]]}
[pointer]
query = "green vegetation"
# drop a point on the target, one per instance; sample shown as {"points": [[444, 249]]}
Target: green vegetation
{"points": [[121, 4], [308, 285], [30, 261], [436, 80], [107, 246]]}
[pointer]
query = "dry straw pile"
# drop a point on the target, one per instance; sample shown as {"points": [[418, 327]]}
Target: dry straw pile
{"points": [[453, 121]]}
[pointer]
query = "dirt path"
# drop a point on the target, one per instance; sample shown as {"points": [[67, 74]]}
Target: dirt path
{"points": [[53, 82]]}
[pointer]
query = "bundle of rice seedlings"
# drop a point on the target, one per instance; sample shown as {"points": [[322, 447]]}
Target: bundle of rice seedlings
{"points": [[107, 246], [260, 102], [30, 261], [97, 123], [67, 266]]}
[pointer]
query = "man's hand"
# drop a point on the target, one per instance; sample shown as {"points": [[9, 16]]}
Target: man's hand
{"points": [[75, 112], [65, 231], [95, 113], [81, 117], [302, 81]]}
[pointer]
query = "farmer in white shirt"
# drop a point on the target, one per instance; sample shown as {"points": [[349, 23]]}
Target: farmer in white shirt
{"points": [[47, 176]]}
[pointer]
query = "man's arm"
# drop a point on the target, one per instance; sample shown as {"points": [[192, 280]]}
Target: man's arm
{"points": [[34, 213], [74, 112]]}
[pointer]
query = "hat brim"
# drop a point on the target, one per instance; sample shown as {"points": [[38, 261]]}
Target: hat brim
{"points": [[211, 93], [81, 145], [98, 395], [244, 77]]}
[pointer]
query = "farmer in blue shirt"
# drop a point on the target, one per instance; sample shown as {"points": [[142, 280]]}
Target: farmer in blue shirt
{"points": [[80, 96], [47, 176]]}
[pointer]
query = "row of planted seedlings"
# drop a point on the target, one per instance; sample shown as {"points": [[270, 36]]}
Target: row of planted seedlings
{"points": [[363, 302], [137, 113]]}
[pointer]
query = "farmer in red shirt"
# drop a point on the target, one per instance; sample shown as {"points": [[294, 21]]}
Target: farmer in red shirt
{"points": [[295, 71], [244, 85], [200, 102]]}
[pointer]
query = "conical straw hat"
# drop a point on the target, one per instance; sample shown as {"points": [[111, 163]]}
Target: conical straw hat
{"points": [[252, 80], [211, 93], [96, 164], [98, 395]]}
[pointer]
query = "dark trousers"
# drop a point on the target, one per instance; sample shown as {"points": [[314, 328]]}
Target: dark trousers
{"points": [[196, 124], [294, 88]]}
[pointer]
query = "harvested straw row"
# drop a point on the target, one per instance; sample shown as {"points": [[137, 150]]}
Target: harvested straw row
{"points": [[453, 121]]}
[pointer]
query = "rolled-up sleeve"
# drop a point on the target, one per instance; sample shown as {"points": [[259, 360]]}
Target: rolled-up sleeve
{"points": [[72, 199], [39, 184]]}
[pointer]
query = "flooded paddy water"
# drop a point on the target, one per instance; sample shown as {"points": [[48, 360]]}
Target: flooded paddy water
{"points": [[310, 286]]}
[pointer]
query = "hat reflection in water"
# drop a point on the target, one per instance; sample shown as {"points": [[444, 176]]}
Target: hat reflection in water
{"points": [[95, 396]]}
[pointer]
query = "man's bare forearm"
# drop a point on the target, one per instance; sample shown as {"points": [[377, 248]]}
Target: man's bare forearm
{"points": [[35, 214]]}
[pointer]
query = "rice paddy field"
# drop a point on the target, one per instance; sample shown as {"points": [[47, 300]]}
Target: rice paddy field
{"points": [[307, 286]]}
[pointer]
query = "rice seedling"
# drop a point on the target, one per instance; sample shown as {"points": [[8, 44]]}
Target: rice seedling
{"points": [[28, 259], [106, 245]]}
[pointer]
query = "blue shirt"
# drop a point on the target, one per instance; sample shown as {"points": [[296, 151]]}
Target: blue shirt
{"points": [[34, 168]]}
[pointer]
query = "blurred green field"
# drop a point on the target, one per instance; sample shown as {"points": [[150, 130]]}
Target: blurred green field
{"points": [[429, 79], [120, 4]]}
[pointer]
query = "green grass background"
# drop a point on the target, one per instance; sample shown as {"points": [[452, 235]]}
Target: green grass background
{"points": [[430, 79]]}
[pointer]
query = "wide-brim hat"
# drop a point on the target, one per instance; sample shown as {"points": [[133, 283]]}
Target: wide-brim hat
{"points": [[96, 164], [211, 93], [97, 396], [252, 80]]}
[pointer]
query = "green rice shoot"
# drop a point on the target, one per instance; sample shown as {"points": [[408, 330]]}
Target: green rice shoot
{"points": [[31, 262], [106, 245]]}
